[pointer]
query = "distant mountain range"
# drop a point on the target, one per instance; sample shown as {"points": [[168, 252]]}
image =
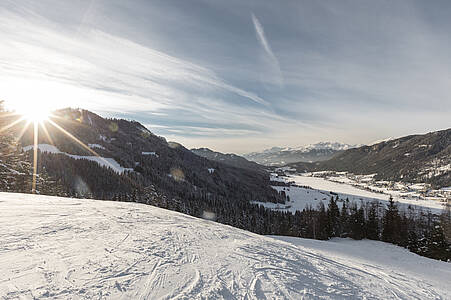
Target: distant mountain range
{"points": [[415, 158], [279, 156]]}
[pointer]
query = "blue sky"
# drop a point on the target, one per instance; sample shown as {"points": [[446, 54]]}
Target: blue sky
{"points": [[236, 76]]}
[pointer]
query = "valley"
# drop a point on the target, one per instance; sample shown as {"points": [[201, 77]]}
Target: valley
{"points": [[311, 188]]}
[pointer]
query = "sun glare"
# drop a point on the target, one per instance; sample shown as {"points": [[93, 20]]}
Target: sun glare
{"points": [[36, 112]]}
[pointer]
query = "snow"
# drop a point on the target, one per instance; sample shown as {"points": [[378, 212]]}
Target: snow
{"points": [[319, 189], [57, 248], [90, 120], [150, 153], [102, 161], [325, 145], [354, 193], [96, 146], [307, 148], [43, 148], [381, 141], [286, 169], [299, 199]]}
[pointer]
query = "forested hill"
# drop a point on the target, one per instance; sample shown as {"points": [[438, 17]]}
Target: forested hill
{"points": [[229, 159], [136, 164], [414, 158]]}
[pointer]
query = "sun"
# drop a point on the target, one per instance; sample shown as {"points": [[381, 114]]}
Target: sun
{"points": [[36, 115], [36, 111]]}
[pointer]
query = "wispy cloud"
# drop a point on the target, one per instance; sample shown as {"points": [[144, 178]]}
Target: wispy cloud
{"points": [[257, 74], [262, 38], [260, 33], [96, 70]]}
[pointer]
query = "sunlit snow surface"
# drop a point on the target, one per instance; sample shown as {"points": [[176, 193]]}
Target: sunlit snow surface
{"points": [[55, 248]]}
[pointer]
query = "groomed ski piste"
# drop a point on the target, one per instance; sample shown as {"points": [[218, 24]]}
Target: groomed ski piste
{"points": [[59, 248]]}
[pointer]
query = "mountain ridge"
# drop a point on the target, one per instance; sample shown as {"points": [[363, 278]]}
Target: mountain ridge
{"points": [[413, 158], [229, 159]]}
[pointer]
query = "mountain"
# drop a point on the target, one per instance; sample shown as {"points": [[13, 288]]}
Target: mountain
{"points": [[278, 156], [228, 159], [84, 155], [59, 248], [415, 158]]}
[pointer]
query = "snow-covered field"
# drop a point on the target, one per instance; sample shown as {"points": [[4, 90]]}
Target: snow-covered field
{"points": [[320, 189], [56, 248]]}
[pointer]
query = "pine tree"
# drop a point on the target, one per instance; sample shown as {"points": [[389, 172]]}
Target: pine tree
{"points": [[391, 223], [372, 225], [357, 222], [344, 219], [333, 216], [437, 246], [322, 223], [445, 219]]}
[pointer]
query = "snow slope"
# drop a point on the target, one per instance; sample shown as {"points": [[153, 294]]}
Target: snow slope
{"points": [[56, 248], [102, 161]]}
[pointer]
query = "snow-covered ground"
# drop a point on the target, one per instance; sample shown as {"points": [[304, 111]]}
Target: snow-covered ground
{"points": [[102, 161], [56, 248], [321, 188], [355, 193], [96, 146]]}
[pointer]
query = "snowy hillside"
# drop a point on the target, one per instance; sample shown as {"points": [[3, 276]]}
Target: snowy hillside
{"points": [[55, 248], [424, 158]]}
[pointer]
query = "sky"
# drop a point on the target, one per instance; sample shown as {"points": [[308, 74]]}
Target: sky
{"points": [[237, 75]]}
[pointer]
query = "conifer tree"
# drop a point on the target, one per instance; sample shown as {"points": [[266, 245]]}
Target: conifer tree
{"points": [[333, 216], [372, 225], [357, 222], [391, 223], [344, 219]]}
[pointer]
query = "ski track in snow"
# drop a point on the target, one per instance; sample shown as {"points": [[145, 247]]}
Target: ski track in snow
{"points": [[56, 248]]}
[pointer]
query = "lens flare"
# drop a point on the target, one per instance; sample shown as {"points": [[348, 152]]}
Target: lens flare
{"points": [[34, 112]]}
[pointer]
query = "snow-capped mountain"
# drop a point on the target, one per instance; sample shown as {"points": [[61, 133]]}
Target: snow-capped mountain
{"points": [[85, 249], [309, 153], [324, 145]]}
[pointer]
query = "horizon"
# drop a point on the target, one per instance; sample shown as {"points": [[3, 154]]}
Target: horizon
{"points": [[269, 148], [235, 77]]}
